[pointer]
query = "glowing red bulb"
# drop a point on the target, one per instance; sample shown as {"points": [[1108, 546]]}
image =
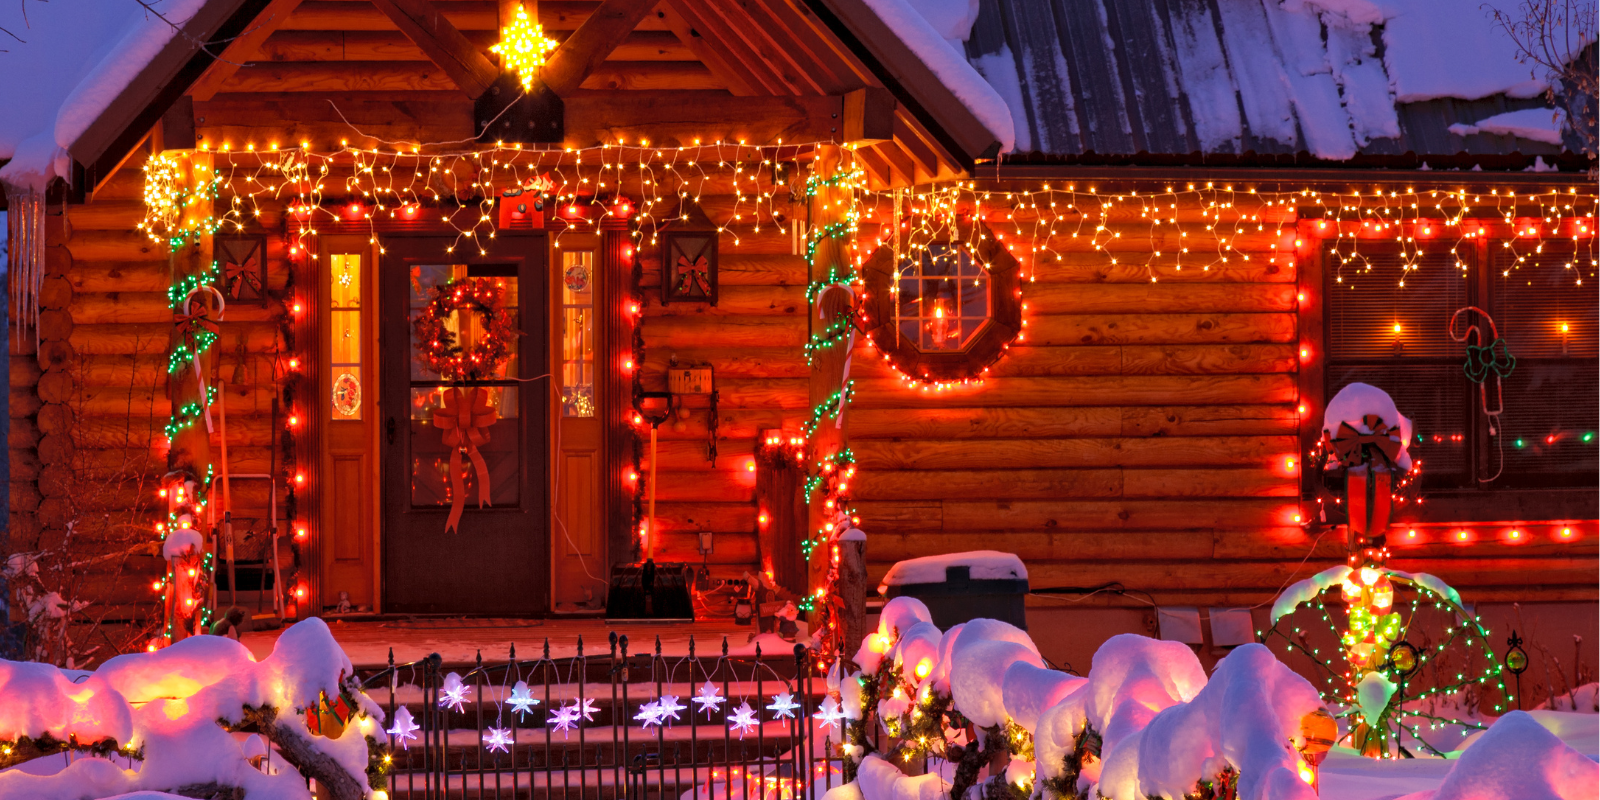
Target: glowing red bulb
{"points": [[299, 477]]}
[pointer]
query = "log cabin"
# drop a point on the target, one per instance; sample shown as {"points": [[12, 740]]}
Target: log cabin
{"points": [[1065, 280]]}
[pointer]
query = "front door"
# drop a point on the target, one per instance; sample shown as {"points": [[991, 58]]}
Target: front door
{"points": [[496, 560]]}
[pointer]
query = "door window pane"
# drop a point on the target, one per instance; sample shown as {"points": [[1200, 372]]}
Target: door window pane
{"points": [[467, 327], [577, 333], [497, 442], [344, 335]]}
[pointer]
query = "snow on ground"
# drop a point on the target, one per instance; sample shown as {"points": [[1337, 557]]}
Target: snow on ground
{"points": [[1518, 759], [1583, 698]]}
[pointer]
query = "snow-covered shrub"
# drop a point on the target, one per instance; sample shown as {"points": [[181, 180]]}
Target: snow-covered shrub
{"points": [[176, 711], [1239, 729], [1145, 723], [1517, 759]]}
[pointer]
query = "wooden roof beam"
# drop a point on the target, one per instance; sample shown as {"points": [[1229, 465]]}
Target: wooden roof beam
{"points": [[466, 65], [588, 46], [715, 59], [244, 47]]}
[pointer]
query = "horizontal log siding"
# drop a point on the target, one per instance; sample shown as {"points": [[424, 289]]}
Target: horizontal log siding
{"points": [[1144, 433], [753, 340], [119, 341]]}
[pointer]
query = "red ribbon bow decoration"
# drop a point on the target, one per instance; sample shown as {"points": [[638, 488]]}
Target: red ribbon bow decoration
{"points": [[465, 420], [693, 275], [1347, 444], [237, 276]]}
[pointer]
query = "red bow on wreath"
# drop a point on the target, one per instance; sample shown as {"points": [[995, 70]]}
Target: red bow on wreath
{"points": [[465, 420], [237, 275], [692, 275]]}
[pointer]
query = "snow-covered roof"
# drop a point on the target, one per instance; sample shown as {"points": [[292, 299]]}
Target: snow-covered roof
{"points": [[73, 59], [70, 61], [1340, 80]]}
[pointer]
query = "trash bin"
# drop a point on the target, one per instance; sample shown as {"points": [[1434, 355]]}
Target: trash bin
{"points": [[958, 587]]}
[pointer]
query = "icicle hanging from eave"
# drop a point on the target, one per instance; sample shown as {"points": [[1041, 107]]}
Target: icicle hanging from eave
{"points": [[25, 252]]}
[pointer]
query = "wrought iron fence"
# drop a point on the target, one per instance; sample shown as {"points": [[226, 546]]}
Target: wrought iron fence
{"points": [[640, 726]]}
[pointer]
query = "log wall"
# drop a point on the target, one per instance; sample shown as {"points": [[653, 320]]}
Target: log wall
{"points": [[88, 411]]}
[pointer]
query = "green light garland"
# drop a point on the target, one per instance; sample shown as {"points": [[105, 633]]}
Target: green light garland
{"points": [[1393, 720]]}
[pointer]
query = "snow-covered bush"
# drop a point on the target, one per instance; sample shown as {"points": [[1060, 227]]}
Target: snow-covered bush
{"points": [[176, 711], [1517, 759], [1145, 723]]}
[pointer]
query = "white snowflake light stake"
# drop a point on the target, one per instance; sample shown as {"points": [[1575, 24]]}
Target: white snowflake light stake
{"points": [[497, 739], [565, 718], [649, 714], [743, 719], [709, 699], [669, 707], [405, 728], [521, 701], [783, 706], [588, 710], [830, 714], [453, 693]]}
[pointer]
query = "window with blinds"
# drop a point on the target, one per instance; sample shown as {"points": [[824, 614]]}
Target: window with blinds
{"points": [[1387, 325], [1549, 315]]}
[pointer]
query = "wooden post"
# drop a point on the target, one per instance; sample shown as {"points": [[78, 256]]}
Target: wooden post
{"points": [[190, 452], [852, 589], [830, 208]]}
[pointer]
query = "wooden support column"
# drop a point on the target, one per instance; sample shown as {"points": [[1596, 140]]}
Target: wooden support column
{"points": [[830, 207], [190, 451]]}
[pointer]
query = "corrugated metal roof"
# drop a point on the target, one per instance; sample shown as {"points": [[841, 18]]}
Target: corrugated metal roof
{"points": [[1221, 82]]}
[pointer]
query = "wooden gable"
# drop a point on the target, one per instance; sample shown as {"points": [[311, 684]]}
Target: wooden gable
{"points": [[325, 72]]}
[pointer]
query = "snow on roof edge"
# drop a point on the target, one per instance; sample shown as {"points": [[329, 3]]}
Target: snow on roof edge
{"points": [[43, 156], [950, 67]]}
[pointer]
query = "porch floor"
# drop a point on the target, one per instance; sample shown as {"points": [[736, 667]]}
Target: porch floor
{"points": [[460, 639]]}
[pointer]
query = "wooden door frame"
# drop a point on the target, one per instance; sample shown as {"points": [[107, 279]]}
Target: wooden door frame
{"points": [[617, 258]]}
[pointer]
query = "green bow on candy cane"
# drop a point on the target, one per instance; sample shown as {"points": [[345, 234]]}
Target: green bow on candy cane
{"points": [[1495, 358]]}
